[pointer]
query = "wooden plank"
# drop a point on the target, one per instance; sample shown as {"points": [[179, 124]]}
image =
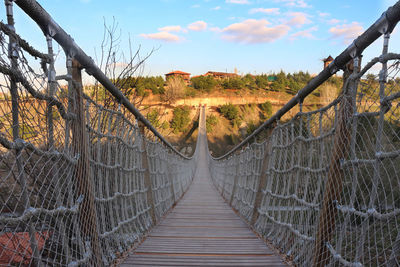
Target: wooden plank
{"points": [[206, 260], [202, 230]]}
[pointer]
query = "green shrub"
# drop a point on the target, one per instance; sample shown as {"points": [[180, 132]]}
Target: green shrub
{"points": [[251, 127], [180, 119], [203, 83], [233, 83], [290, 83], [266, 108], [164, 125], [155, 84], [250, 81], [229, 111], [262, 81], [153, 118], [190, 92], [211, 121]]}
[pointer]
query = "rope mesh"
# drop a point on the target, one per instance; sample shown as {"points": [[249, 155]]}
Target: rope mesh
{"points": [[331, 192], [73, 188], [81, 183]]}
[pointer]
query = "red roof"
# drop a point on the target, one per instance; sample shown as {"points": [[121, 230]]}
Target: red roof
{"points": [[177, 72]]}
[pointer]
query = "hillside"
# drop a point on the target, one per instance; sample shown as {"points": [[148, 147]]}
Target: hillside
{"points": [[223, 133]]}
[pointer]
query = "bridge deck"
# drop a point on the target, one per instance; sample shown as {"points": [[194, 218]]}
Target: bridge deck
{"points": [[202, 230]]}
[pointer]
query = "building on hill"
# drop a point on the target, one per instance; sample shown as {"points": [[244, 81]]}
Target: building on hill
{"points": [[177, 73], [221, 75], [327, 61]]}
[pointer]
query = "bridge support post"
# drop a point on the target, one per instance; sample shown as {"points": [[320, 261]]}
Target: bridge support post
{"points": [[334, 183], [262, 182], [147, 178], [83, 181]]}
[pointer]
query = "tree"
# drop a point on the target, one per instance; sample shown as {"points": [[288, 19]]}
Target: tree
{"points": [[297, 81], [119, 66], [280, 83], [233, 83], [204, 83], [174, 89], [262, 81], [249, 82]]}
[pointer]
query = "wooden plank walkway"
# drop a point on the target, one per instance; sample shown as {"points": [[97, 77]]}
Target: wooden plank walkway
{"points": [[202, 230]]}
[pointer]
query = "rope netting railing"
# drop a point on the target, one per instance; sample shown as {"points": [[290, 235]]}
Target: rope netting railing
{"points": [[324, 186], [80, 183]]}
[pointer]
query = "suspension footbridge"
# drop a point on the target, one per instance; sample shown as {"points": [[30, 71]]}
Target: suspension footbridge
{"points": [[202, 230], [84, 183]]}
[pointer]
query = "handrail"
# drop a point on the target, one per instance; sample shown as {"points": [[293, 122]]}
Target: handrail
{"points": [[51, 28], [385, 24]]}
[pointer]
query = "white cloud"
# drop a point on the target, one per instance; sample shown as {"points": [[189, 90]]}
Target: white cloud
{"points": [[298, 19], [346, 32], [216, 8], [274, 11], [333, 21], [195, 6], [162, 36], [294, 3], [254, 31], [216, 29], [240, 2], [323, 14], [198, 26], [172, 28], [304, 34]]}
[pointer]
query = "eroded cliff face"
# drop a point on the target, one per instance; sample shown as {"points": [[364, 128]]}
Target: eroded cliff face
{"points": [[218, 101], [215, 100], [225, 134]]}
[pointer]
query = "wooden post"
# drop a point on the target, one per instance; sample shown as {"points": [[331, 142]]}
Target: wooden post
{"points": [[334, 184], [147, 178], [83, 181], [263, 179]]}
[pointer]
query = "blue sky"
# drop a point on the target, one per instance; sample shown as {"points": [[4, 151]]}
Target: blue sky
{"points": [[254, 36]]}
